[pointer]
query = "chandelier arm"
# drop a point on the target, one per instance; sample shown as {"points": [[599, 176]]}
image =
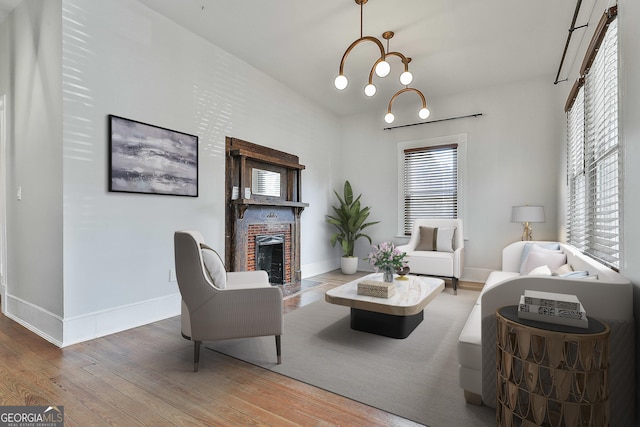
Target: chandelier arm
{"points": [[403, 58], [355, 43], [407, 89], [373, 69]]}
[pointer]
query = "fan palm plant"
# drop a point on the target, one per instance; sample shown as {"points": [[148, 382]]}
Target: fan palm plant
{"points": [[349, 218]]}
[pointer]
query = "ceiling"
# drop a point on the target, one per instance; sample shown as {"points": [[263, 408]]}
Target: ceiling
{"points": [[455, 45]]}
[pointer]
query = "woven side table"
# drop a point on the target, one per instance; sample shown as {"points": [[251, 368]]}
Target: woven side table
{"points": [[549, 374]]}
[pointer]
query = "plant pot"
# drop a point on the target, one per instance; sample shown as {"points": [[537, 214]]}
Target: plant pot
{"points": [[349, 264]]}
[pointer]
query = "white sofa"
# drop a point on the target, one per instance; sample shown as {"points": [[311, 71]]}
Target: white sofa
{"points": [[605, 295], [447, 262]]}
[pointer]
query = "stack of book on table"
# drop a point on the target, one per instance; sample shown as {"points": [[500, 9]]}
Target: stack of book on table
{"points": [[561, 309]]}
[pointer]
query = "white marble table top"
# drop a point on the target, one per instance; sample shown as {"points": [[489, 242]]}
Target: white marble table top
{"points": [[410, 298]]}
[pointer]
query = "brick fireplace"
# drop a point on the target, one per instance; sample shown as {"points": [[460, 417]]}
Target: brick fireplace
{"points": [[260, 223], [261, 230]]}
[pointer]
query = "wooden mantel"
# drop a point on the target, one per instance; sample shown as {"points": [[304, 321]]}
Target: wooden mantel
{"points": [[241, 158], [243, 204]]}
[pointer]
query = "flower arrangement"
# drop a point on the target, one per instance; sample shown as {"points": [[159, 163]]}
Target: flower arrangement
{"points": [[385, 256]]}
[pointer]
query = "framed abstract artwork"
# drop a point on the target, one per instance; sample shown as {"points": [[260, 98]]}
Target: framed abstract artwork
{"points": [[151, 159]]}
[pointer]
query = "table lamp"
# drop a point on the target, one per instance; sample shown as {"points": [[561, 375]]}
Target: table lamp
{"points": [[526, 215]]}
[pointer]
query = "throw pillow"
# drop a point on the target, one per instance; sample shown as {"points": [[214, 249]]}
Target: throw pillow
{"points": [[537, 259], [214, 266], [529, 247], [564, 269], [543, 270], [428, 236], [444, 239]]}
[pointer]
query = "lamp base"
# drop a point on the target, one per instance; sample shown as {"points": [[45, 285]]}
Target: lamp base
{"points": [[527, 232]]}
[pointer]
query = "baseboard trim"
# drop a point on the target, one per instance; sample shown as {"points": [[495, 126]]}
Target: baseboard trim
{"points": [[315, 269], [98, 324], [478, 275], [73, 330], [38, 320]]}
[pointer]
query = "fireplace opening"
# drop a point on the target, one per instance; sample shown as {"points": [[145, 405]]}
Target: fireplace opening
{"points": [[270, 256]]}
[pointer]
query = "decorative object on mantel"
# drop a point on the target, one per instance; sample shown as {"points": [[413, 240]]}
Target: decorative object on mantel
{"points": [[349, 219], [526, 215], [382, 69], [150, 159], [388, 259]]}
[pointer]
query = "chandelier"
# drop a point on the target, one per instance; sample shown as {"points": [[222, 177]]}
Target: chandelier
{"points": [[382, 69]]}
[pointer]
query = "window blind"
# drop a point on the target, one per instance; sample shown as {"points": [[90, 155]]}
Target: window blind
{"points": [[430, 183], [602, 148], [576, 224], [593, 154]]}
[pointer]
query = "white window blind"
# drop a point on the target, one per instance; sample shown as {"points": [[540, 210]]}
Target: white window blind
{"points": [[577, 217], [594, 161], [430, 183]]}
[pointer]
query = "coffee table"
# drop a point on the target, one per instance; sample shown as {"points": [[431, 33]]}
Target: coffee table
{"points": [[394, 317]]}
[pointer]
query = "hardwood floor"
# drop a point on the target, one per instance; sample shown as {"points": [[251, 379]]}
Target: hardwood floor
{"points": [[144, 376]]}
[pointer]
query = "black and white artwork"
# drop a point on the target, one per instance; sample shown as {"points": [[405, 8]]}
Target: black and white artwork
{"points": [[152, 160]]}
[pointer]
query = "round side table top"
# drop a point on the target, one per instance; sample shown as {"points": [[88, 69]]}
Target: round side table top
{"points": [[510, 312]]}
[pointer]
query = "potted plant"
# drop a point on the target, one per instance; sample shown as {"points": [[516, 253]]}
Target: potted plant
{"points": [[349, 218]]}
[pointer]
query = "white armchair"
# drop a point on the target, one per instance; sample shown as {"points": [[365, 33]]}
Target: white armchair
{"points": [[439, 251], [217, 305]]}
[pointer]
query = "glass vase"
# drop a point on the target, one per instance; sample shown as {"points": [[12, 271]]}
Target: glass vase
{"points": [[387, 274]]}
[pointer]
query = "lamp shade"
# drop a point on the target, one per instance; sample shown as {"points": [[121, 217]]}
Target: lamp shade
{"points": [[527, 214]]}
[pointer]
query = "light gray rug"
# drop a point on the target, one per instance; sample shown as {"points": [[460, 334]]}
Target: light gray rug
{"points": [[415, 378]]}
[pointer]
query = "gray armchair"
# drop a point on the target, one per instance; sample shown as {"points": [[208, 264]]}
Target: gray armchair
{"points": [[245, 305]]}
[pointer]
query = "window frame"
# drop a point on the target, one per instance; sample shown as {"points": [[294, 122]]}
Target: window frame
{"points": [[461, 141]]}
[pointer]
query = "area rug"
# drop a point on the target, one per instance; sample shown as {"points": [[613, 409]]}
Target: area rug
{"points": [[415, 378]]}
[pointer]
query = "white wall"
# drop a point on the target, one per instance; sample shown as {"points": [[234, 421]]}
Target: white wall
{"points": [[512, 156], [104, 258], [30, 75]]}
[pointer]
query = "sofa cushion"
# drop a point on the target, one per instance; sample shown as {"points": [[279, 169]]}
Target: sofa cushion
{"points": [[470, 341], [431, 262], [214, 266], [535, 259], [494, 278]]}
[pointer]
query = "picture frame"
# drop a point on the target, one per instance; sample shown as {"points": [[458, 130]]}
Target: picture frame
{"points": [[150, 159]]}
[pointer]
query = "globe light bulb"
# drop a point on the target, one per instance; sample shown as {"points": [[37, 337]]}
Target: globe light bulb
{"points": [[424, 113], [383, 68], [389, 118], [406, 78], [341, 82], [370, 90]]}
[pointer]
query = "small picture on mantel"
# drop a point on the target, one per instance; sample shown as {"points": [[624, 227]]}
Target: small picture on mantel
{"points": [[151, 160]]}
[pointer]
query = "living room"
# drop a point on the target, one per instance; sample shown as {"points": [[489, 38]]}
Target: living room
{"points": [[104, 259]]}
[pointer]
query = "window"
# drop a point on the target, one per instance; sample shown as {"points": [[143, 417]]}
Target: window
{"points": [[593, 150], [429, 180]]}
